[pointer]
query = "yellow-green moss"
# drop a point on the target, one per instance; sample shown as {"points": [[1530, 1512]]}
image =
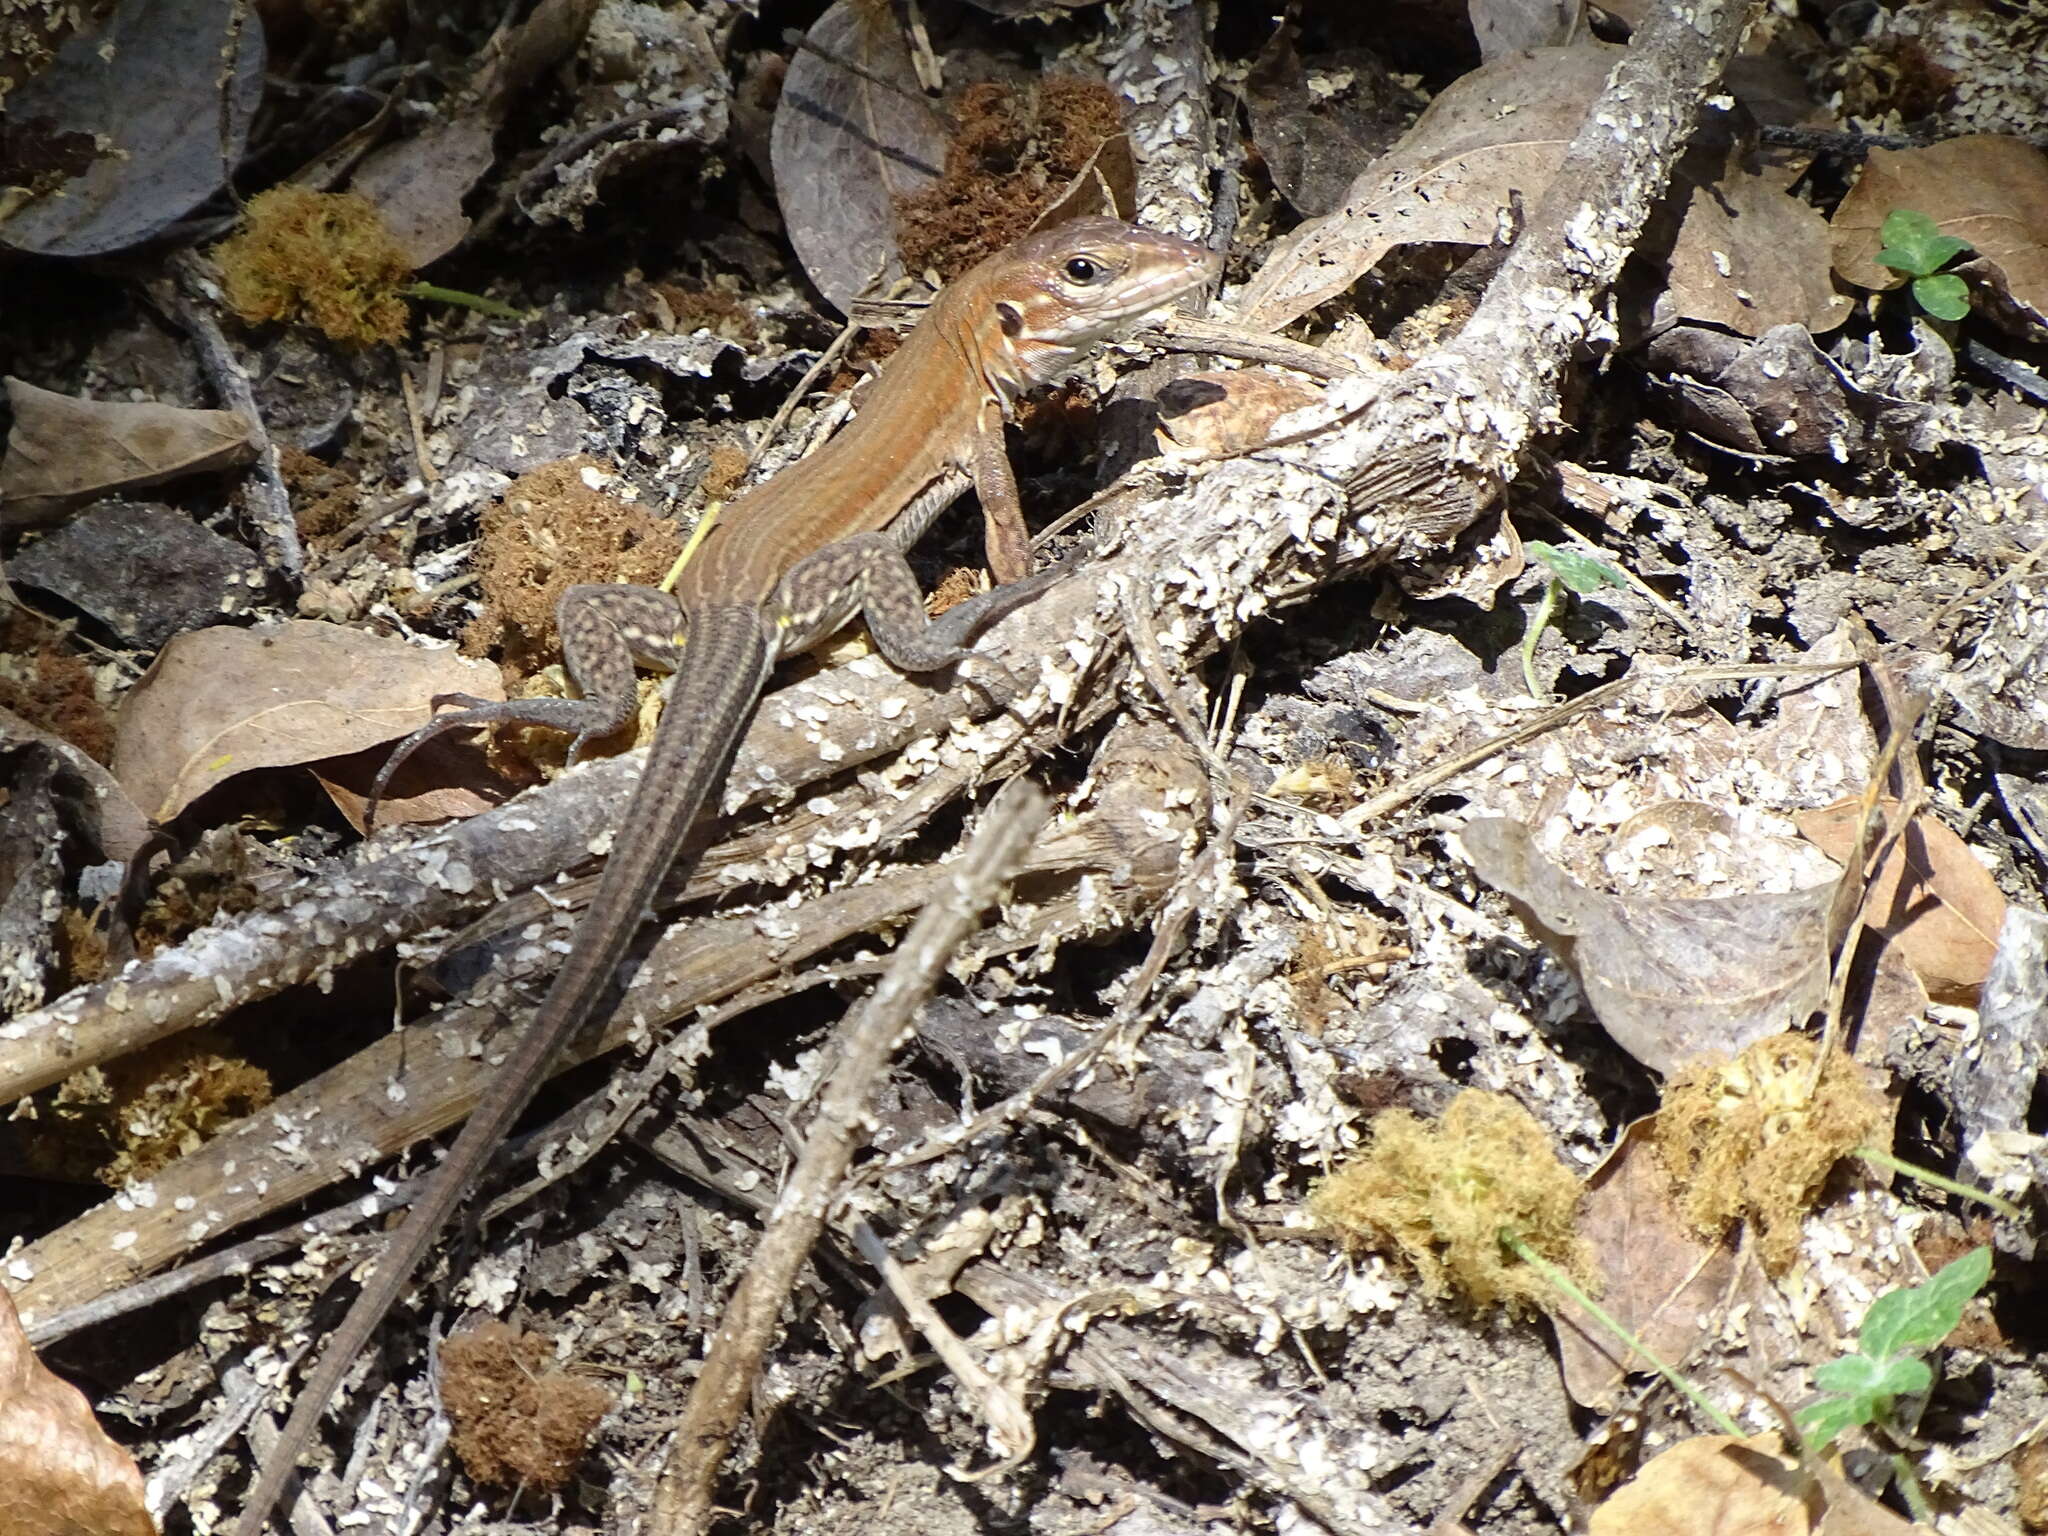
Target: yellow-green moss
{"points": [[1744, 1140], [323, 258], [1441, 1195]]}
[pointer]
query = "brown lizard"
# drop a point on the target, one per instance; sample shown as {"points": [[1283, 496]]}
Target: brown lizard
{"points": [[787, 565]]}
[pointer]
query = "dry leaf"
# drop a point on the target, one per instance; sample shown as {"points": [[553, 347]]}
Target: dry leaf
{"points": [[63, 450], [135, 123], [1669, 979], [117, 826], [1930, 897], [145, 570], [325, 171], [1319, 122], [1508, 26], [1988, 189], [59, 1473], [1660, 1280], [418, 183], [222, 701], [1781, 397], [853, 134], [1497, 132], [1893, 1001], [1852, 1512], [447, 779], [1713, 1485], [1219, 415], [2001, 685], [1750, 256]]}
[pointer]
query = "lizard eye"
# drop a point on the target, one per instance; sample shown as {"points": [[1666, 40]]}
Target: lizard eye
{"points": [[1083, 269]]}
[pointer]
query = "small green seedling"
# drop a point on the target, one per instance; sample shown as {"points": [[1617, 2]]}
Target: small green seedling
{"points": [[435, 293], [1915, 245], [1900, 1328], [1568, 568]]}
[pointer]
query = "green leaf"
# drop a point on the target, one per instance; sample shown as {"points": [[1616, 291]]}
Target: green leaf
{"points": [[1820, 1422], [1944, 295], [1859, 1390], [1919, 260], [1899, 1327], [1905, 1375], [1581, 572], [1915, 245], [1921, 1316], [1851, 1376], [1874, 1381], [1907, 226]]}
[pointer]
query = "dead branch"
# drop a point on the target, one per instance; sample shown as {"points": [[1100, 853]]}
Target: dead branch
{"points": [[868, 1040]]}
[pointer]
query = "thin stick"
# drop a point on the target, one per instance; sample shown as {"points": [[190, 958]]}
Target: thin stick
{"points": [[1939, 1181], [238, 1260], [268, 503], [421, 457], [1185, 333], [1864, 865], [827, 360], [682, 1500], [615, 1105], [1397, 795], [1008, 1419]]}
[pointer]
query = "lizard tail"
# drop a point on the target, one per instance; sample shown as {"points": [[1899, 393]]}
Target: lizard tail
{"points": [[725, 665]]}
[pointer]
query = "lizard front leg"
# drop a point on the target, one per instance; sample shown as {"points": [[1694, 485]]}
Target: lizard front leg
{"points": [[1004, 536], [867, 574], [605, 628]]}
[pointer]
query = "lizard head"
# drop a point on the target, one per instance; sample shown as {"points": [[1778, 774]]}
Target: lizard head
{"points": [[1048, 299]]}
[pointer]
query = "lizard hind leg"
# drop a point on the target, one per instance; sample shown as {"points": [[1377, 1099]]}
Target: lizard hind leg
{"points": [[605, 628]]}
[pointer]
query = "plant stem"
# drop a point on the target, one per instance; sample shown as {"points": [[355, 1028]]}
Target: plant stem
{"points": [[1909, 1485], [1570, 1288], [1537, 624], [1929, 1177], [476, 301]]}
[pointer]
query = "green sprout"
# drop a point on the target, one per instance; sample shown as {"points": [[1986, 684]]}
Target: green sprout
{"points": [[1900, 1327], [1915, 245], [435, 293], [1568, 568]]}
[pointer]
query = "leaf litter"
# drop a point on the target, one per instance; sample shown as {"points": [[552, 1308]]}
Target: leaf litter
{"points": [[1642, 899]]}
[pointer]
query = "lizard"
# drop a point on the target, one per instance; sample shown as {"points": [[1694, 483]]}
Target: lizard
{"points": [[786, 565]]}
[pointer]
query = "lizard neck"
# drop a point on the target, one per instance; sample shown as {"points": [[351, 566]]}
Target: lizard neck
{"points": [[914, 430]]}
